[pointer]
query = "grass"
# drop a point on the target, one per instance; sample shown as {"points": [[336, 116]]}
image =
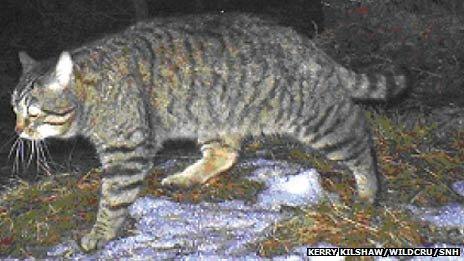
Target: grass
{"points": [[36, 216], [414, 172], [39, 215]]}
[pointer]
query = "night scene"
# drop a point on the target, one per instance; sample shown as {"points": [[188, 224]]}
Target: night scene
{"points": [[232, 130]]}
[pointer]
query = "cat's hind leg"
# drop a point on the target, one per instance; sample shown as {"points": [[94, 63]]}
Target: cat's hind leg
{"points": [[341, 133], [217, 156]]}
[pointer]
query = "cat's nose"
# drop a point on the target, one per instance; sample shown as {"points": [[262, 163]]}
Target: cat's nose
{"points": [[19, 127]]}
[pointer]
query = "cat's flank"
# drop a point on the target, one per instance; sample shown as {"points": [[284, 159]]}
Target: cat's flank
{"points": [[213, 78]]}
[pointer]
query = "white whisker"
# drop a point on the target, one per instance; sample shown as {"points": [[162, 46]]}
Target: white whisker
{"points": [[37, 155], [42, 157], [31, 153], [16, 160], [21, 147], [47, 155], [13, 147]]}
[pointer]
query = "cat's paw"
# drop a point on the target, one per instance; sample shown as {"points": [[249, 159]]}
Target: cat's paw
{"points": [[179, 180], [93, 241]]}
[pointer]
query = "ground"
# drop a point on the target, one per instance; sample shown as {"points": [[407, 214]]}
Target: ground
{"points": [[419, 140]]}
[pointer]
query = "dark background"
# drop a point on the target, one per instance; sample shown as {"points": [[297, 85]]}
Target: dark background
{"points": [[45, 28], [424, 36], [419, 137]]}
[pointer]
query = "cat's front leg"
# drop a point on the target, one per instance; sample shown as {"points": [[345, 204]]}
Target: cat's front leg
{"points": [[121, 183]]}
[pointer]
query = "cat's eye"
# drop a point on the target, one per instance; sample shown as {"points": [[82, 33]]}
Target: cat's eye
{"points": [[33, 111]]}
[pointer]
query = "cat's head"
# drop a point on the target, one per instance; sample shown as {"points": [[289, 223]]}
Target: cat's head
{"points": [[42, 99]]}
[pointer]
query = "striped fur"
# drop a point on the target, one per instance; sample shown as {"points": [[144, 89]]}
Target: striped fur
{"points": [[212, 78]]}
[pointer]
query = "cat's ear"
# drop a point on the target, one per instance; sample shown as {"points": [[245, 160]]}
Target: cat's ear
{"points": [[27, 62], [64, 69]]}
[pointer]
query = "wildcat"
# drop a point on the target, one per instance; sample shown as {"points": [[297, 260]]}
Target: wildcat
{"points": [[215, 78]]}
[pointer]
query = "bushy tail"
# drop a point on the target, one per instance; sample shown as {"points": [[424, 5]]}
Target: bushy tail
{"points": [[380, 87]]}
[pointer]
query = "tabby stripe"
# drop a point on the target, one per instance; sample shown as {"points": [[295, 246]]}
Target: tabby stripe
{"points": [[280, 98], [155, 63], [198, 82], [214, 97], [144, 48], [356, 144], [376, 87], [137, 159], [295, 107], [299, 85], [319, 76], [203, 83], [341, 145], [268, 95], [222, 58], [125, 197], [261, 94], [184, 71], [313, 83], [177, 90], [132, 160], [209, 85], [119, 206], [161, 50], [333, 121], [230, 65], [127, 187], [168, 62], [148, 52], [390, 85], [203, 51], [189, 47], [237, 77], [125, 173], [96, 64], [291, 95], [284, 94], [323, 116], [123, 148], [238, 93], [98, 229], [356, 149], [119, 170], [220, 81], [255, 82]]}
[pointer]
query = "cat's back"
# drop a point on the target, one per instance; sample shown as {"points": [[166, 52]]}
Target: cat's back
{"points": [[209, 24], [214, 36]]}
